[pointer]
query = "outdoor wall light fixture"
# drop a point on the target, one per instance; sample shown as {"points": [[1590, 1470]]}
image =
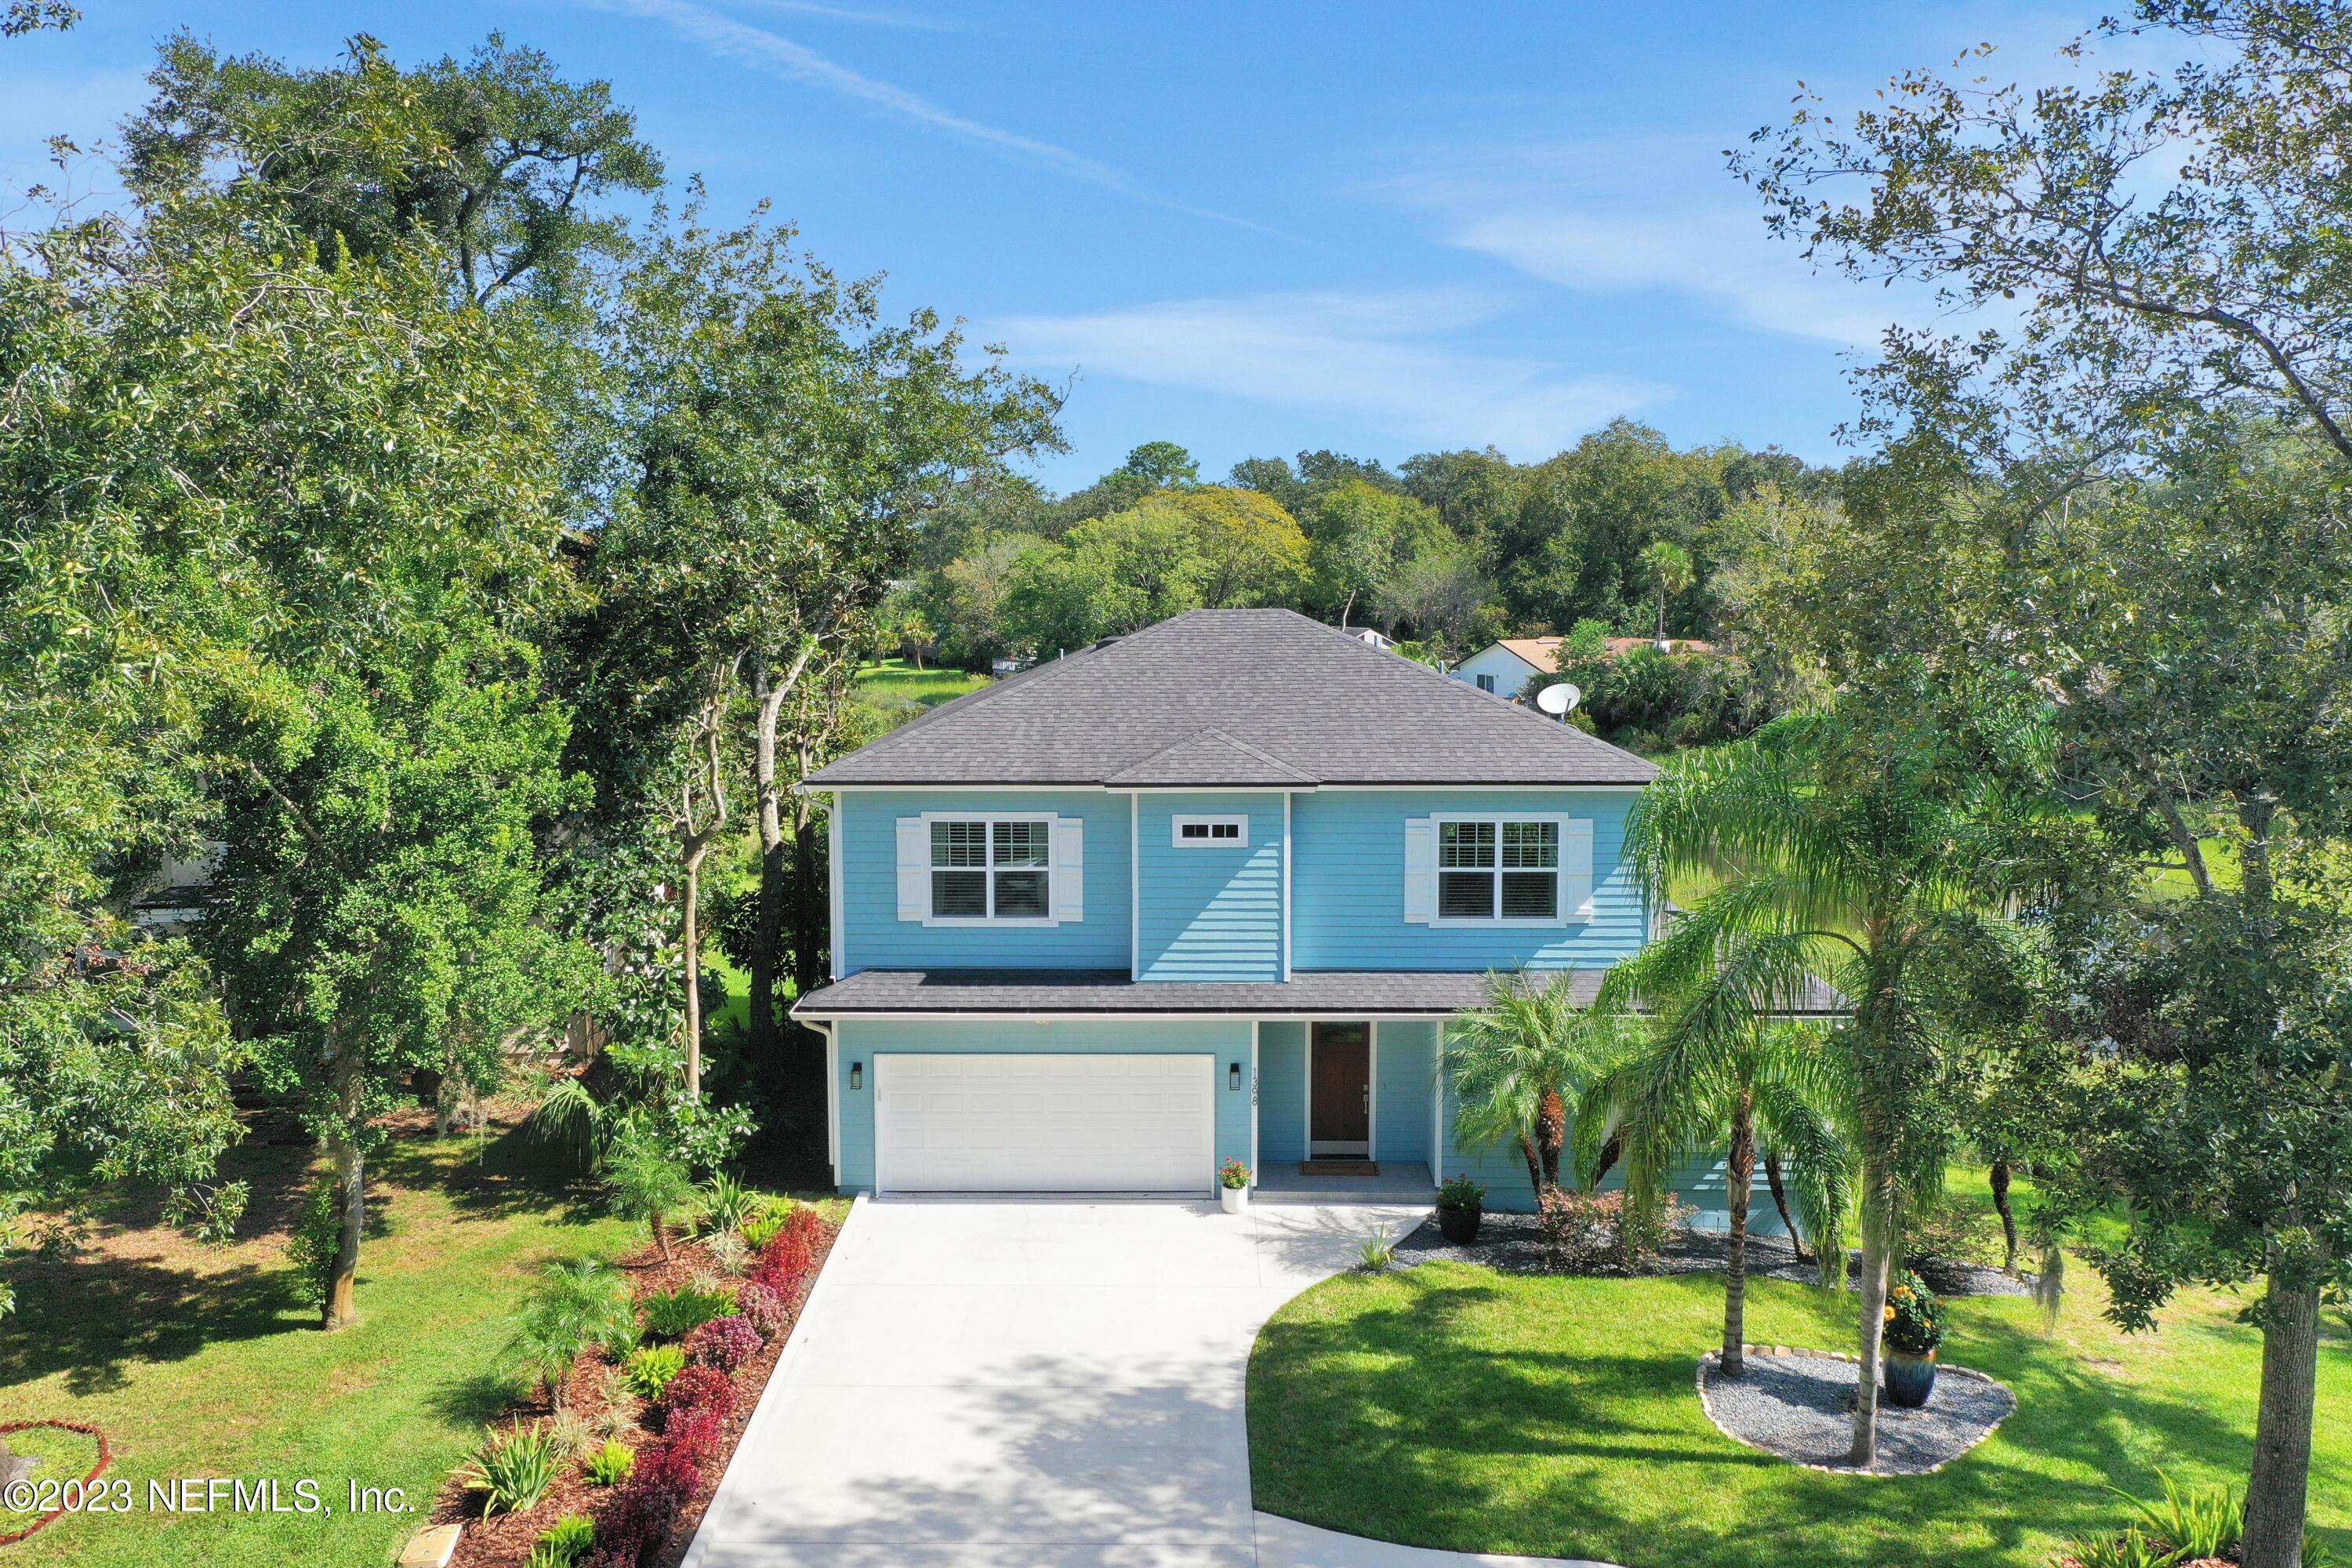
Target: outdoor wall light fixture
{"points": [[1233, 1076], [857, 1075]]}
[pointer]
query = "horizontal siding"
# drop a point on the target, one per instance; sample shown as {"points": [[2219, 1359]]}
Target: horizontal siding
{"points": [[864, 1039], [1213, 912], [1282, 1093], [1346, 893], [874, 937], [1408, 1058]]}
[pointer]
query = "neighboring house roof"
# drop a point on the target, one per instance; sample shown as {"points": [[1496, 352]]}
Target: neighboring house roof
{"points": [[1543, 653], [1254, 697], [1350, 992]]}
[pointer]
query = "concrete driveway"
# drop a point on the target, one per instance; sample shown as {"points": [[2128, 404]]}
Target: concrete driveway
{"points": [[1003, 1383]]}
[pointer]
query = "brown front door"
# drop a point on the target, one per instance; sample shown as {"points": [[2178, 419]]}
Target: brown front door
{"points": [[1340, 1120]]}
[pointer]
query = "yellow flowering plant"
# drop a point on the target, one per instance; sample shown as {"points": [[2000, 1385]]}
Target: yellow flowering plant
{"points": [[1915, 1318]]}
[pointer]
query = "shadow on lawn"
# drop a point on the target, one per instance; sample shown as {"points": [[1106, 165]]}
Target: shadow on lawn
{"points": [[91, 1317], [1424, 1422]]}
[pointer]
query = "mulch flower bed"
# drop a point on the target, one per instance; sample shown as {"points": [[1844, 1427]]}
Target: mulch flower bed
{"points": [[506, 1541]]}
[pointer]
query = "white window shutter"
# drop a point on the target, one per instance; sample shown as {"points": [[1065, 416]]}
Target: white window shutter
{"points": [[1576, 868], [1420, 870], [1069, 867], [914, 868]]}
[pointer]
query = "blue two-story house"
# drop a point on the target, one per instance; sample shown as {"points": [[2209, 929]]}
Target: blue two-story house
{"points": [[1206, 892]]}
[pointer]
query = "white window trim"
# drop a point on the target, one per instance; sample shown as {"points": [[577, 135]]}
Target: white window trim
{"points": [[995, 922], [1176, 826], [1563, 917]]}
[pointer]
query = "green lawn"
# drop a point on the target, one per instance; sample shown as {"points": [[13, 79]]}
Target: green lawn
{"points": [[903, 693], [1454, 1406], [198, 1363]]}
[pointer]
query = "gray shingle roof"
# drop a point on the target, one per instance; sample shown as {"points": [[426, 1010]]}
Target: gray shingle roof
{"points": [[1361, 994], [1234, 697]]}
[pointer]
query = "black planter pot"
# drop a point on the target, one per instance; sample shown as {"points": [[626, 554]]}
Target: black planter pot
{"points": [[1459, 1226]]}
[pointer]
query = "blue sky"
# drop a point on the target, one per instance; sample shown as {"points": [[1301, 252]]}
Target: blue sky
{"points": [[1252, 229]]}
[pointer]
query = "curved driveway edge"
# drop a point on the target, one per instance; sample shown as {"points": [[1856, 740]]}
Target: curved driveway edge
{"points": [[1036, 1383]]}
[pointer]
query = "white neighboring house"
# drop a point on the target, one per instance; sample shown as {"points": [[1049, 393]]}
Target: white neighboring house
{"points": [[1505, 668], [1370, 637]]}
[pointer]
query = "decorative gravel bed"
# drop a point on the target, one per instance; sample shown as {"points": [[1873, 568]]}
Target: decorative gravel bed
{"points": [[1798, 1404], [1511, 1242]]}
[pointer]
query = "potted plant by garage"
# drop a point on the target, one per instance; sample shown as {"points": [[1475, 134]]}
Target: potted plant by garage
{"points": [[1233, 1187], [1461, 1203], [1914, 1328]]}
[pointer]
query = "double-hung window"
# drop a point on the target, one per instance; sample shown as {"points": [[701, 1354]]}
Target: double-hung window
{"points": [[1497, 870], [991, 868]]}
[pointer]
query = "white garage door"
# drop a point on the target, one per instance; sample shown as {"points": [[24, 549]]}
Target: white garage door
{"points": [[1043, 1123]]}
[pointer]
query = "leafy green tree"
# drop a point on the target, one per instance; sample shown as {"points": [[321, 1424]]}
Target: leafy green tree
{"points": [[1362, 535], [1707, 1083], [1860, 845], [1247, 551], [1163, 465], [497, 157], [783, 443], [1519, 1066], [1668, 567], [381, 905], [2165, 377]]}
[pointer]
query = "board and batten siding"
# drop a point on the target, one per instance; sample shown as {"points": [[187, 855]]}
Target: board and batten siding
{"points": [[1209, 911], [862, 1040], [874, 937], [1348, 873]]}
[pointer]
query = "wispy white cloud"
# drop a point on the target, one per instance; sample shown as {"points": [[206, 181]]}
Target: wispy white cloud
{"points": [[778, 56], [1643, 212], [850, 14], [1380, 358]]}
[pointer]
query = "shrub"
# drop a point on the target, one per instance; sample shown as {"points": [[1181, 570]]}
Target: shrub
{"points": [[2202, 1522], [564, 1542], [610, 1465], [310, 1249], [651, 1367], [1233, 1174], [2129, 1550], [1591, 1233], [761, 1225], [578, 1304], [674, 1314], [1580, 1233], [1462, 1192], [638, 1523], [1915, 1319], [791, 1253], [727, 1204], [724, 1343], [572, 1430], [728, 1251], [694, 1435], [760, 1307], [696, 1388], [514, 1469], [1377, 1251]]}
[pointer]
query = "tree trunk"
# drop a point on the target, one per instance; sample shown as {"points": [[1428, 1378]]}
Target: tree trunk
{"points": [[811, 913], [658, 1222], [1611, 1152], [694, 975], [2008, 1217], [1535, 1166], [1878, 1238], [1551, 1133], [351, 1186], [2277, 1493], [1739, 1176], [1781, 1202], [767, 940]]}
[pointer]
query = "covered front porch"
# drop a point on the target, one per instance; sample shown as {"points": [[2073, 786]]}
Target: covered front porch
{"points": [[1392, 1182]]}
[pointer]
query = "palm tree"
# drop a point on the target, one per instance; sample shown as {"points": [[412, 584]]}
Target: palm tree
{"points": [[579, 1303], [1695, 1090], [1668, 567], [644, 1180], [1518, 1064], [1861, 847]]}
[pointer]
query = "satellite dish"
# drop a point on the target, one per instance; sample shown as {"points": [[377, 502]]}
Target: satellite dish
{"points": [[1559, 699]]}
